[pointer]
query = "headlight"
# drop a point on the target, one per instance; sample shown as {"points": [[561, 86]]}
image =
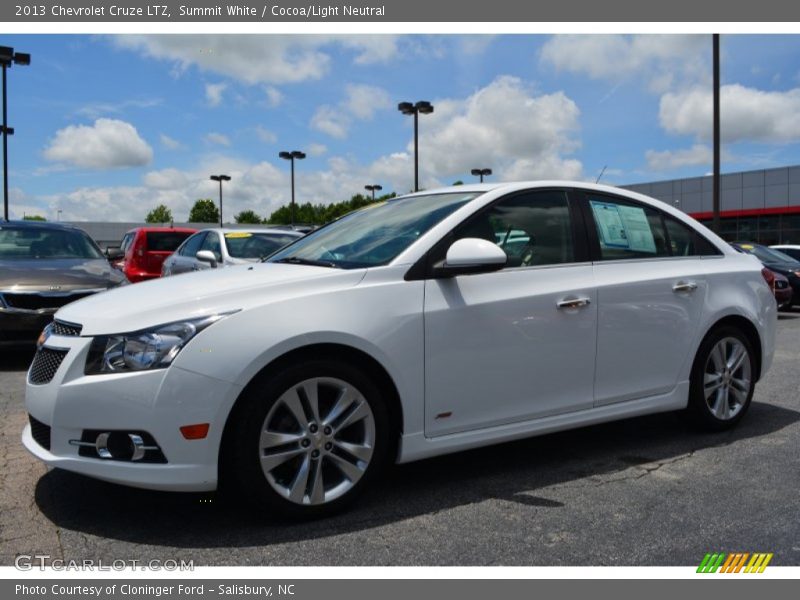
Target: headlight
{"points": [[154, 348]]}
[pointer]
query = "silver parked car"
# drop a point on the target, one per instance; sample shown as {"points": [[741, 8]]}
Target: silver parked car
{"points": [[222, 247], [44, 266]]}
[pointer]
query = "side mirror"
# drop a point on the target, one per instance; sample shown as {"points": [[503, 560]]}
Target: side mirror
{"points": [[208, 257], [113, 253], [469, 256]]}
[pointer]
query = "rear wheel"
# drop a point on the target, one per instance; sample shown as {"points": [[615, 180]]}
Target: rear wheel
{"points": [[723, 380], [308, 441]]}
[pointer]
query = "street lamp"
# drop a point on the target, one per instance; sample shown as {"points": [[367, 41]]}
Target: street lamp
{"points": [[421, 107], [292, 156], [372, 188], [58, 215], [481, 172], [7, 58], [220, 178]]}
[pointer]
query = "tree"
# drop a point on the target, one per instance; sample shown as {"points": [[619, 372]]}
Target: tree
{"points": [[459, 182], [33, 218], [248, 216], [160, 214], [317, 214], [204, 211]]}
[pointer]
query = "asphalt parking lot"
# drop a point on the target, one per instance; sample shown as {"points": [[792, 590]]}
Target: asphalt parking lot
{"points": [[645, 491]]}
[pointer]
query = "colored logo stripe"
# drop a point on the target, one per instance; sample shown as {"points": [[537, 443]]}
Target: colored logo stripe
{"points": [[734, 562]]}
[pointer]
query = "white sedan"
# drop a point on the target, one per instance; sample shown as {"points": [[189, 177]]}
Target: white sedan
{"points": [[428, 324], [223, 247]]}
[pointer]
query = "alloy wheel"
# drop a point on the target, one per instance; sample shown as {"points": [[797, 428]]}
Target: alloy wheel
{"points": [[727, 378]]}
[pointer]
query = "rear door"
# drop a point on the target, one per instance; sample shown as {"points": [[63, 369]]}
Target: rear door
{"points": [[159, 245], [651, 288]]}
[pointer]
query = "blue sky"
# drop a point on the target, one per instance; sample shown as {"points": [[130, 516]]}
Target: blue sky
{"points": [[107, 127]]}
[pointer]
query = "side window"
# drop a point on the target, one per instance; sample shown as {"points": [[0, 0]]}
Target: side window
{"points": [[533, 228], [684, 241], [627, 230], [212, 243], [126, 242], [192, 245]]}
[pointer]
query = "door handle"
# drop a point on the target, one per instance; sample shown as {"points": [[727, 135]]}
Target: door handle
{"points": [[684, 286], [574, 303]]}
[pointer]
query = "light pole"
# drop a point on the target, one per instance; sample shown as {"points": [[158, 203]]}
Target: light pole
{"points": [[372, 188], [481, 172], [292, 156], [424, 107], [7, 58], [715, 196], [58, 216], [220, 178]]}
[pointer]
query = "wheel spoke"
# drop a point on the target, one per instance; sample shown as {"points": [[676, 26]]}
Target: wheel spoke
{"points": [[721, 406], [310, 390], [297, 491], [276, 459], [291, 400], [343, 402], [361, 411], [273, 439], [737, 358], [713, 381], [739, 393], [360, 451], [348, 469], [317, 492], [718, 356]]}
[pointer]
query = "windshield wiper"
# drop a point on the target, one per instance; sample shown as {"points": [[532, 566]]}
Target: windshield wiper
{"points": [[296, 260]]}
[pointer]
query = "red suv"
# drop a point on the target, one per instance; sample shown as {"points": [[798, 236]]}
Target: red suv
{"points": [[142, 250]]}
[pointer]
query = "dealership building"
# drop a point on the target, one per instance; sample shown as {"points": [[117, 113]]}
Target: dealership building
{"points": [[755, 206]]}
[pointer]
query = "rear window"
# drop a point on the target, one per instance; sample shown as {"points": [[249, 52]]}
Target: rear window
{"points": [[165, 241]]}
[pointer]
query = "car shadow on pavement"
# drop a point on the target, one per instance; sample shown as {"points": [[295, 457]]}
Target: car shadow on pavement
{"points": [[17, 358], [516, 472]]}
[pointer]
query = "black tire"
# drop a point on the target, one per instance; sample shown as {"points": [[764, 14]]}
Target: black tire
{"points": [[243, 453], [700, 410]]}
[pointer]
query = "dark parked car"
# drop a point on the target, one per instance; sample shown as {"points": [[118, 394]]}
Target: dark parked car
{"points": [[780, 288], [143, 250], [775, 261], [44, 266]]}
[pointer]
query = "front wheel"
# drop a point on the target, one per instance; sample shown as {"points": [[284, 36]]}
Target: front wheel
{"points": [[308, 440], [722, 380]]}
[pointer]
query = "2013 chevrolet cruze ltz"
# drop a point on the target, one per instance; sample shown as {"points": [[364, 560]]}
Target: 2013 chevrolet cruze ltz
{"points": [[428, 324]]}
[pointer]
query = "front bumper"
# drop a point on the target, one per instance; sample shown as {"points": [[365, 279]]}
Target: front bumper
{"points": [[158, 402], [18, 327]]}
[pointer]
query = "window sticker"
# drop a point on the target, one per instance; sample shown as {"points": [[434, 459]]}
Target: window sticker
{"points": [[238, 234], [623, 227]]}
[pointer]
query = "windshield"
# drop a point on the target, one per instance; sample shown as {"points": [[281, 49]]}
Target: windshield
{"points": [[18, 243], [248, 245], [765, 254], [374, 235]]}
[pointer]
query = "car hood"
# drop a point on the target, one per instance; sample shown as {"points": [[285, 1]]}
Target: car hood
{"points": [[66, 273], [202, 293]]}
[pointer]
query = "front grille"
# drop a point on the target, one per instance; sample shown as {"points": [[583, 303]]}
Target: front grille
{"points": [[45, 364], [66, 329], [40, 432], [39, 301]]}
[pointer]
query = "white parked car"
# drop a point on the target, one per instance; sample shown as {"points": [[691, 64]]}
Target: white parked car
{"points": [[399, 332], [223, 247], [792, 250]]}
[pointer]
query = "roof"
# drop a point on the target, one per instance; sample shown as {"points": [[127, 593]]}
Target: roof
{"points": [[40, 225]]}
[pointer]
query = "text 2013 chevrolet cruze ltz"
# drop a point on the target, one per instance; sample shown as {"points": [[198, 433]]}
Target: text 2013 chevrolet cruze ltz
{"points": [[425, 325]]}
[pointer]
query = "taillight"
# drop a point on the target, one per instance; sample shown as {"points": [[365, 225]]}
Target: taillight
{"points": [[769, 277]]}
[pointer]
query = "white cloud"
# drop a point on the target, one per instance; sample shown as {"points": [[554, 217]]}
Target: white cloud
{"points": [[218, 138], [166, 179], [169, 143], [328, 119], [745, 114], [360, 102], [265, 135], [99, 109], [660, 60], [503, 126], [317, 149], [214, 93], [363, 101], [107, 144], [274, 96], [267, 59], [665, 160]]}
